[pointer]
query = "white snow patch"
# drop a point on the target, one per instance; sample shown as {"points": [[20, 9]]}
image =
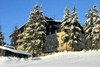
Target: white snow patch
{"points": [[61, 59]]}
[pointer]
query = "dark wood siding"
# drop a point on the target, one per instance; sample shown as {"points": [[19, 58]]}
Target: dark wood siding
{"points": [[12, 54]]}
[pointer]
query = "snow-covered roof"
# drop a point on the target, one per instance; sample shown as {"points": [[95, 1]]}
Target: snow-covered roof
{"points": [[8, 46], [14, 51], [58, 21], [18, 29]]}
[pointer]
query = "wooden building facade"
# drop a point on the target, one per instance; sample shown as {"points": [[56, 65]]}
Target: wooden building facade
{"points": [[51, 28]]}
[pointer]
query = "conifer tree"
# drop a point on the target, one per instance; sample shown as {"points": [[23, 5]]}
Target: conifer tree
{"points": [[95, 13], [66, 21], [1, 38], [74, 35], [14, 37], [77, 35], [36, 32], [92, 27], [95, 31], [88, 29], [65, 26]]}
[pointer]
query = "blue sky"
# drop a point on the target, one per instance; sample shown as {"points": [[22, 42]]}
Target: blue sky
{"points": [[16, 12]]}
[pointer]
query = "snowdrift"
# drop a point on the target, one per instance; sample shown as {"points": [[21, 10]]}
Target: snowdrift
{"points": [[61, 59]]}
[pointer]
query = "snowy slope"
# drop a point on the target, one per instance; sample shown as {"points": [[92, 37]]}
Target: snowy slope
{"points": [[62, 59]]}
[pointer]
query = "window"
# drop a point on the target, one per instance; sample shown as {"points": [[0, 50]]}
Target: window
{"points": [[50, 26], [49, 33]]}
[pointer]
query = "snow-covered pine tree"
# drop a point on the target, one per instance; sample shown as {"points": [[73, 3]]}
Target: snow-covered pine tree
{"points": [[96, 29], [92, 27], [66, 20], [77, 38], [36, 32], [14, 37], [1, 38], [65, 26], [88, 29]]}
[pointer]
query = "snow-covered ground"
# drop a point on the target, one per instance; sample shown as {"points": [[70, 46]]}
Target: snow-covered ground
{"points": [[62, 59]]}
